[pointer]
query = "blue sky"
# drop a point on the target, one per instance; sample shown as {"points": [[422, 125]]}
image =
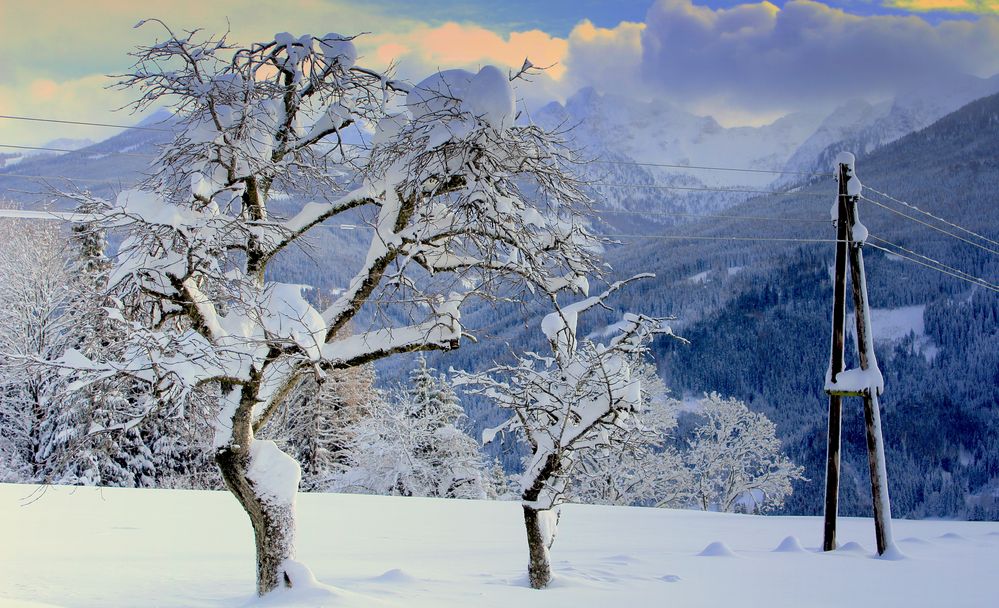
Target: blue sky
{"points": [[560, 16]]}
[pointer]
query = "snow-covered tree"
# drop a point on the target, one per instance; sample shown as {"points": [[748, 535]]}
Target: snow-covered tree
{"points": [[577, 400], [735, 456], [412, 445], [48, 432], [445, 186]]}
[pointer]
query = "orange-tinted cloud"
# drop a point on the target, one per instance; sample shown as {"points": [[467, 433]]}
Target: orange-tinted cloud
{"points": [[425, 49], [980, 7]]}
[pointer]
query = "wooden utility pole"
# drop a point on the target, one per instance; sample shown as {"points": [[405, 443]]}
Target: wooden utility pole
{"points": [[866, 381], [835, 367]]}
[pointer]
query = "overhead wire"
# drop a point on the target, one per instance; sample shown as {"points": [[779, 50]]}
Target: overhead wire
{"points": [[928, 259], [708, 167], [707, 189], [711, 216], [928, 225], [85, 123], [48, 149], [662, 187], [957, 275], [596, 161], [63, 177], [928, 214], [718, 238]]}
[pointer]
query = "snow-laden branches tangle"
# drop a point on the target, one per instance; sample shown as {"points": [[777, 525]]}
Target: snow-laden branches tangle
{"points": [[463, 201], [578, 399]]}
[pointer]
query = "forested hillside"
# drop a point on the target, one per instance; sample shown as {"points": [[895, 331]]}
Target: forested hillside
{"points": [[756, 309], [762, 334]]}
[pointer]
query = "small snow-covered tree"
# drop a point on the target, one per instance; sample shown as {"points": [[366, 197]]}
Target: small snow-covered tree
{"points": [[316, 423], [639, 468], [577, 400], [412, 445], [36, 286], [459, 199], [735, 456]]}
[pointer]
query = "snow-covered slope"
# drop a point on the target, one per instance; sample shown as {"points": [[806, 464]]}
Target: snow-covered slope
{"points": [[11, 156], [114, 547], [861, 127]]}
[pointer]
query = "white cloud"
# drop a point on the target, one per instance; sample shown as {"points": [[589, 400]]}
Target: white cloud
{"points": [[760, 57]]}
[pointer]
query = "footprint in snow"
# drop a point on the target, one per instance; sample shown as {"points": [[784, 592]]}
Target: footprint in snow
{"points": [[621, 559], [670, 578]]}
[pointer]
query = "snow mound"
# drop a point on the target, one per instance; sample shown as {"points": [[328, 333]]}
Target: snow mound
{"points": [[790, 544], [395, 576], [717, 549], [952, 536], [914, 541], [851, 547]]}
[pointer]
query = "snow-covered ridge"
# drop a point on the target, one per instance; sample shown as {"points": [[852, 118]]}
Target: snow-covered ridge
{"points": [[891, 325]]}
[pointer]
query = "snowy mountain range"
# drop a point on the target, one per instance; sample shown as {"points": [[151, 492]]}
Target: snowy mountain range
{"points": [[617, 132], [614, 133]]}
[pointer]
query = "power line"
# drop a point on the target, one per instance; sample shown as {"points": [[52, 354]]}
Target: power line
{"points": [[605, 162], [927, 213], [716, 238], [704, 189], [663, 187], [978, 282], [90, 124], [708, 216], [46, 149], [70, 179], [45, 215], [929, 259], [928, 225], [707, 167]]}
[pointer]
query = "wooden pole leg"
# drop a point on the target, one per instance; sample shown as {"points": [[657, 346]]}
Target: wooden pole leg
{"points": [[879, 476], [832, 472]]}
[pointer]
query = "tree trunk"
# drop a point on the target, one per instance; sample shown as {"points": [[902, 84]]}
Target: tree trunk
{"points": [[273, 519], [539, 537], [541, 523]]}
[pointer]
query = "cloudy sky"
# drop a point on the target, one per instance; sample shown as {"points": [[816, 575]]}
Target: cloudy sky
{"points": [[745, 63]]}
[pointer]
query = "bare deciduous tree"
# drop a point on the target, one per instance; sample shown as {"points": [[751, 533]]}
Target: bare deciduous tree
{"points": [[460, 200], [575, 401]]}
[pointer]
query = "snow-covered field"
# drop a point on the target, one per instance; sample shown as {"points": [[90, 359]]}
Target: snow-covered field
{"points": [[114, 547]]}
